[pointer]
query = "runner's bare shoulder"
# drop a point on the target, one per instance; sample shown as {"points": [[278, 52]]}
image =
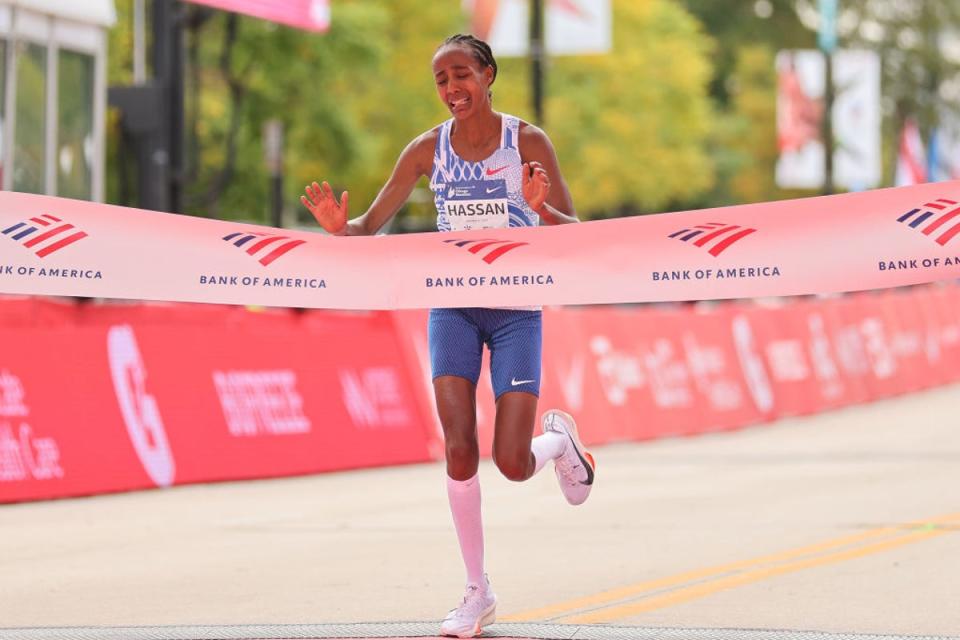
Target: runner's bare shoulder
{"points": [[530, 135], [421, 150]]}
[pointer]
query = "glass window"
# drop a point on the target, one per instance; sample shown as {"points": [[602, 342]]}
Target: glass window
{"points": [[30, 134], [75, 131], [3, 104]]}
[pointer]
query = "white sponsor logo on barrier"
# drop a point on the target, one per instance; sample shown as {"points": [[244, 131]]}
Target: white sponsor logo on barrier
{"points": [[949, 334], [139, 408], [752, 364], [23, 456], [907, 343], [619, 372], [711, 374], [882, 360], [571, 383], [850, 350], [831, 384], [11, 395], [261, 403], [787, 360], [373, 398], [669, 377]]}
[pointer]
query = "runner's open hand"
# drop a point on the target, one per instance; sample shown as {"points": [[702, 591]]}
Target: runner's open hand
{"points": [[321, 202], [536, 184]]}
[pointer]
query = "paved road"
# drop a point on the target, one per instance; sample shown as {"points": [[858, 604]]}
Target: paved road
{"points": [[846, 522]]}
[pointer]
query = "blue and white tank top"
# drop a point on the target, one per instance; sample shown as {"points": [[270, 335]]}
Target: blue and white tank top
{"points": [[480, 195]]}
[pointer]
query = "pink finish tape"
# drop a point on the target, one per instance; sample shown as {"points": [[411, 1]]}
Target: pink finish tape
{"points": [[871, 240]]}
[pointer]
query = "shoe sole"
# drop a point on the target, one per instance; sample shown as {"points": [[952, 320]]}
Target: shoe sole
{"points": [[488, 617], [574, 436]]}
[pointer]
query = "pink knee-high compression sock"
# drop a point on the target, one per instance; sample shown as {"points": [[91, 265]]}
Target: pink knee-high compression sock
{"points": [[546, 447], [465, 506]]}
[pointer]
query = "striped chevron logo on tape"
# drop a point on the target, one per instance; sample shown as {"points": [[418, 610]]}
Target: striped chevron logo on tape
{"points": [[724, 235], [499, 247], [265, 249], [942, 211], [51, 232]]}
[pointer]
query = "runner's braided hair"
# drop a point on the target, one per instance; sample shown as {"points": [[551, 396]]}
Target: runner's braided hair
{"points": [[480, 49]]}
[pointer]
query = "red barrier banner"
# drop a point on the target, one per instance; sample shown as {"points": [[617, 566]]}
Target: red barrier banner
{"points": [[127, 397], [98, 398], [800, 357], [938, 306]]}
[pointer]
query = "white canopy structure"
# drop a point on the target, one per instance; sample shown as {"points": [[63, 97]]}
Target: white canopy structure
{"points": [[97, 12], [53, 96]]}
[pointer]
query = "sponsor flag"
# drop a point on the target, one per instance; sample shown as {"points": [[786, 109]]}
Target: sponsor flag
{"points": [[911, 159], [572, 27], [940, 162], [855, 117], [311, 15]]}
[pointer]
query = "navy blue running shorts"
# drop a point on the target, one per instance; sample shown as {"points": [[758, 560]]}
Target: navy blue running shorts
{"points": [[514, 338]]}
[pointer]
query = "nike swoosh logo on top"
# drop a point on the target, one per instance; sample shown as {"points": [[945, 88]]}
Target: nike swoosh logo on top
{"points": [[492, 189], [516, 383], [493, 172], [583, 461]]}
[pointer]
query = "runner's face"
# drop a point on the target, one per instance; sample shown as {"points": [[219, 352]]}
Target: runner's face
{"points": [[463, 86]]}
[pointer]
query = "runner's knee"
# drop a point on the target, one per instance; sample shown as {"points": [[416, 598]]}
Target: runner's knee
{"points": [[513, 462]]}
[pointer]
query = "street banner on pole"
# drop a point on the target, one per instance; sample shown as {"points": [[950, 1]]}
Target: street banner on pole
{"points": [[572, 27], [310, 15], [855, 118]]}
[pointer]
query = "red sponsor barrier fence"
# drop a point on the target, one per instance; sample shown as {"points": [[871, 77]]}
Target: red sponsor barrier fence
{"points": [[98, 398], [109, 398]]}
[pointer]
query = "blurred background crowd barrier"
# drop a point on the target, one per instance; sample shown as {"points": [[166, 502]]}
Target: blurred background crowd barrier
{"points": [[98, 398]]}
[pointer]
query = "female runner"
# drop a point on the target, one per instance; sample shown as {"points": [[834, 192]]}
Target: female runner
{"points": [[480, 155]]}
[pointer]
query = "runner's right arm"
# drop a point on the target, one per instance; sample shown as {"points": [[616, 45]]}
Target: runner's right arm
{"points": [[415, 161]]}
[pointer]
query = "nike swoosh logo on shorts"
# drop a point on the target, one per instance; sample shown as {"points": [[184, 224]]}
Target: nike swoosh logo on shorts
{"points": [[516, 383], [493, 172]]}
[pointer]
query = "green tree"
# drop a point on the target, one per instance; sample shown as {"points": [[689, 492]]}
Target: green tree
{"points": [[743, 145], [738, 25], [920, 62], [630, 127], [920, 77], [242, 71]]}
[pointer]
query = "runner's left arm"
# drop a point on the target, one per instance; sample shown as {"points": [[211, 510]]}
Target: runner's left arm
{"points": [[549, 197]]}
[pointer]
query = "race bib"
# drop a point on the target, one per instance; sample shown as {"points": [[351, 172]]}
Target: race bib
{"points": [[477, 204]]}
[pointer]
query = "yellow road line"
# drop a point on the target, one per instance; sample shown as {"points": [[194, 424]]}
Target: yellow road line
{"points": [[607, 598], [700, 590]]}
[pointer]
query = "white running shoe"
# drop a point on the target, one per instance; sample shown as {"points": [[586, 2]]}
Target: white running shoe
{"points": [[575, 466], [478, 609]]}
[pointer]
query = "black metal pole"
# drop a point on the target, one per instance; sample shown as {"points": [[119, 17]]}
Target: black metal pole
{"points": [[276, 201], [537, 59], [273, 158], [167, 156], [176, 82], [828, 96], [154, 185]]}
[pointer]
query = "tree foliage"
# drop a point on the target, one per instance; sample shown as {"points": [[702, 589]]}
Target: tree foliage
{"points": [[916, 40], [920, 54], [630, 127]]}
